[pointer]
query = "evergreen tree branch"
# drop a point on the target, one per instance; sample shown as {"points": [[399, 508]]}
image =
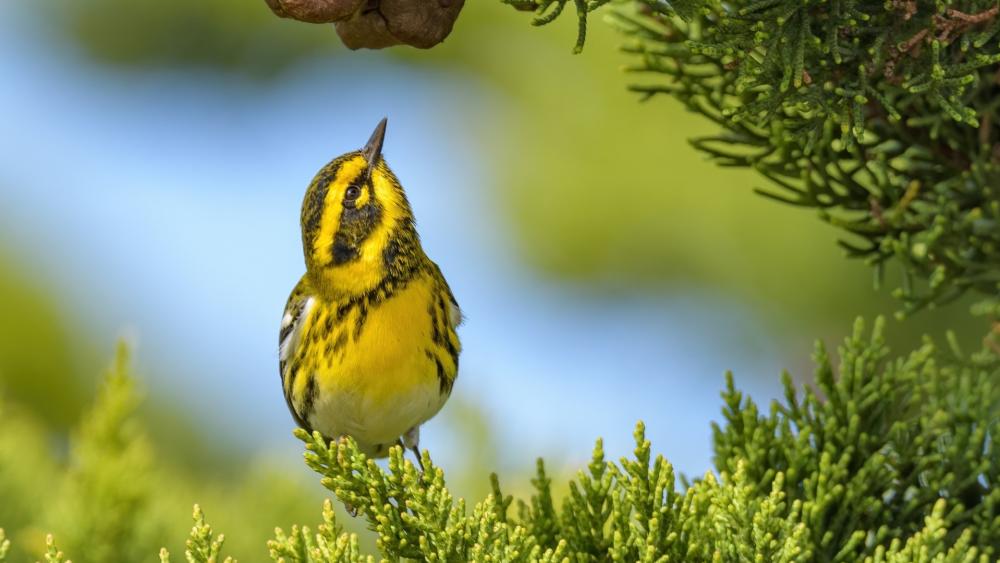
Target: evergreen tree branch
{"points": [[888, 458], [881, 115]]}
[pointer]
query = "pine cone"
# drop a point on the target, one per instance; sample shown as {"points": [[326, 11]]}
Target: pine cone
{"points": [[315, 11], [375, 24]]}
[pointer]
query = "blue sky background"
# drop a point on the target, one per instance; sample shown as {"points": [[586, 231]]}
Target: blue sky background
{"points": [[164, 206]]}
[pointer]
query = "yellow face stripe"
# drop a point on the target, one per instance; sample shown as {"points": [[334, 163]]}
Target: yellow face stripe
{"points": [[394, 209], [363, 199], [332, 208]]}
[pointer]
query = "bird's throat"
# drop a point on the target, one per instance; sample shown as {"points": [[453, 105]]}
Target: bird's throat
{"points": [[380, 262]]}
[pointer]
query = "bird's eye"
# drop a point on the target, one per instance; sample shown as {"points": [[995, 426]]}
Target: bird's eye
{"points": [[352, 193]]}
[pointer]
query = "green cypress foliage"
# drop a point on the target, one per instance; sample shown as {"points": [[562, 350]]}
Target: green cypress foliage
{"points": [[203, 545], [328, 544], [104, 501], [890, 458], [52, 553], [880, 114], [893, 456]]}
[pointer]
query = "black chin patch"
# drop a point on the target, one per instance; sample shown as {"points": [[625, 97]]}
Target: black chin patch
{"points": [[343, 252]]}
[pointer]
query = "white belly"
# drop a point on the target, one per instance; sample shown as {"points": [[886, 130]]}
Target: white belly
{"points": [[374, 422]]}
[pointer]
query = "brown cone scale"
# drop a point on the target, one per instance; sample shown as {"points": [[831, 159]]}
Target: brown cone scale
{"points": [[375, 24], [315, 11]]}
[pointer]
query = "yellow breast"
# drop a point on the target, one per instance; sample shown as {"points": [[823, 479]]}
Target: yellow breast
{"points": [[374, 368]]}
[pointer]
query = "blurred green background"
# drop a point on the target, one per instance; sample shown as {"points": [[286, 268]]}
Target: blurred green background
{"points": [[153, 161]]}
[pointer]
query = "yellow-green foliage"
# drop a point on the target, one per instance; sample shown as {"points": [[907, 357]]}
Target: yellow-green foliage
{"points": [[203, 546], [41, 355], [892, 457], [329, 543], [110, 496], [102, 506], [889, 459], [52, 553], [27, 469]]}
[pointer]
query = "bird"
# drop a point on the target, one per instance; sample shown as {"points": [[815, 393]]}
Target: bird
{"points": [[368, 345]]}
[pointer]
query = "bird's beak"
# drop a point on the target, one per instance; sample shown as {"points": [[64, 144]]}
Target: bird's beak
{"points": [[373, 149]]}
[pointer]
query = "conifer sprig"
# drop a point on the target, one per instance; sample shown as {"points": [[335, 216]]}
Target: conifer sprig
{"points": [[204, 545], [547, 11], [328, 544], [52, 553]]}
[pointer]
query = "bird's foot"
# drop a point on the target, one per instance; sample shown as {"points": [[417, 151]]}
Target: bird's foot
{"points": [[420, 460], [415, 450], [411, 441]]}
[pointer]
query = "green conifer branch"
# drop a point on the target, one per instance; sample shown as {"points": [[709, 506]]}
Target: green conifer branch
{"points": [[882, 115], [889, 457], [886, 456]]}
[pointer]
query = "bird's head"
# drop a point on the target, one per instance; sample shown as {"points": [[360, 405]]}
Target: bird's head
{"points": [[357, 226]]}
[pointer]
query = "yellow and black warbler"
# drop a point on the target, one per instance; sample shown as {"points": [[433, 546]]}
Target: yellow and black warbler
{"points": [[367, 347]]}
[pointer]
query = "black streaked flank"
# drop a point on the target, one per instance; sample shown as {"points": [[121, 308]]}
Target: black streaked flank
{"points": [[435, 325], [309, 397], [339, 342], [359, 323], [439, 315], [444, 384]]}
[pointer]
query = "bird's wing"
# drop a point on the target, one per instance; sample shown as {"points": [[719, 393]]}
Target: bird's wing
{"points": [[300, 302]]}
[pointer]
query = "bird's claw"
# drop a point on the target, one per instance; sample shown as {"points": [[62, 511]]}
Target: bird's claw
{"points": [[420, 460]]}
